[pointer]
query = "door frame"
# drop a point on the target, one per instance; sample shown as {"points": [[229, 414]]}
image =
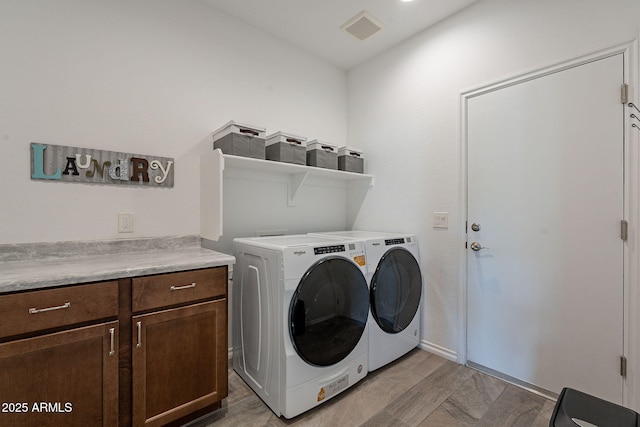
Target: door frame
{"points": [[631, 257]]}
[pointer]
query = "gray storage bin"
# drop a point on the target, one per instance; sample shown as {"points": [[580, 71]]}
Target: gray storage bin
{"points": [[240, 140], [350, 160], [286, 148], [322, 155]]}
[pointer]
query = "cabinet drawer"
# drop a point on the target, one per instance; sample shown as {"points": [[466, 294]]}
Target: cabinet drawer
{"points": [[51, 308], [164, 290]]}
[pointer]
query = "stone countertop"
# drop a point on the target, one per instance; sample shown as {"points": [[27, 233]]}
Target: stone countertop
{"points": [[38, 273]]}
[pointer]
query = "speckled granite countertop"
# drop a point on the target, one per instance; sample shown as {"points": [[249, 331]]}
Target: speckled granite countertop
{"points": [[33, 266]]}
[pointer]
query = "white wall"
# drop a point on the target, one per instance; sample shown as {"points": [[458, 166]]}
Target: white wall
{"points": [[404, 111], [151, 77]]}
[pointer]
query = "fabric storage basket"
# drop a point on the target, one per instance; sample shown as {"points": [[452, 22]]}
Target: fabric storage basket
{"points": [[240, 140], [322, 154], [284, 147], [350, 160]]}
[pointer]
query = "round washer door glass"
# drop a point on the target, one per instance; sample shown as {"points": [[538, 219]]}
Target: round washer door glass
{"points": [[328, 311], [396, 288]]}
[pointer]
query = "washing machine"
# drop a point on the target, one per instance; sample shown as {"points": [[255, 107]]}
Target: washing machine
{"points": [[300, 311], [395, 281]]}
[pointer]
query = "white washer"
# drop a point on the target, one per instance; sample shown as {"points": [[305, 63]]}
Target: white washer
{"points": [[300, 311], [395, 282]]}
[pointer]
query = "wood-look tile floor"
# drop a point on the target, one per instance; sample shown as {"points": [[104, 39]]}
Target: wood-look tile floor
{"points": [[420, 389]]}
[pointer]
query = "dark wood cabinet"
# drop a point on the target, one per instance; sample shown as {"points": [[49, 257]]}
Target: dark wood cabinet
{"points": [[178, 345], [54, 370], [144, 351]]}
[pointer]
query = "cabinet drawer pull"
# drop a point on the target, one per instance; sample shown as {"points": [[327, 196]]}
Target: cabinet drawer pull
{"points": [[42, 310], [178, 288], [112, 333], [139, 326]]}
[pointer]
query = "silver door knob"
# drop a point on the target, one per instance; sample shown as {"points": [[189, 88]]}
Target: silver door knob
{"points": [[475, 226], [475, 246]]}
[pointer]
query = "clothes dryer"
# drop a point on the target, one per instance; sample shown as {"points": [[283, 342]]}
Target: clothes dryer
{"points": [[300, 310], [395, 283]]}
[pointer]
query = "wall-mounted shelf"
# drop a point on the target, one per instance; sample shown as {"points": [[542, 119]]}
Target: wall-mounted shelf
{"points": [[298, 174], [212, 166]]}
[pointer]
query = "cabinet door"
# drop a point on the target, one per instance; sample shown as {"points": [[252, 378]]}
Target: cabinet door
{"points": [[68, 378], [179, 361]]}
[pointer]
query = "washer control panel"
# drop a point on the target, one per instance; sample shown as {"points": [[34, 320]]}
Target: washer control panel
{"points": [[389, 242], [324, 250]]}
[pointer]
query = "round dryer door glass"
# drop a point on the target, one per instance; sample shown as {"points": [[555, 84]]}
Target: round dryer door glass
{"points": [[328, 311], [396, 288]]}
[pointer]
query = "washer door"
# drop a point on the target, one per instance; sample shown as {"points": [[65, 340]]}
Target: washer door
{"points": [[328, 311], [396, 288]]}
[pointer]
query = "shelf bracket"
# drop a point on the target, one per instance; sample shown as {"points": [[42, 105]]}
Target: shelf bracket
{"points": [[296, 180]]}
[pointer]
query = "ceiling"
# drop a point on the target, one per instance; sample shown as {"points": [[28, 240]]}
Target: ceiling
{"points": [[315, 25]]}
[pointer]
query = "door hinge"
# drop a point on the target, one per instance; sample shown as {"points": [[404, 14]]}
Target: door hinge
{"points": [[623, 366], [624, 230], [624, 93]]}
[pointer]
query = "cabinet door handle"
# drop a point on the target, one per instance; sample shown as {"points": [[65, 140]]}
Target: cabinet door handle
{"points": [[139, 326], [42, 310], [112, 334], [178, 288]]}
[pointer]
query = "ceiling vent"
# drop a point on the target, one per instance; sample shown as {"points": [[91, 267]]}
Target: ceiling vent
{"points": [[362, 26]]}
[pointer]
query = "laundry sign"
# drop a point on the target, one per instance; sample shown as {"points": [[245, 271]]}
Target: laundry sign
{"points": [[73, 164]]}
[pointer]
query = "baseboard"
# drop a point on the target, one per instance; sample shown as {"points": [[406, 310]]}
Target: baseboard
{"points": [[439, 350], [529, 387]]}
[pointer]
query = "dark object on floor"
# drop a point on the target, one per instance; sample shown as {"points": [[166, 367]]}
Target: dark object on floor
{"points": [[575, 408]]}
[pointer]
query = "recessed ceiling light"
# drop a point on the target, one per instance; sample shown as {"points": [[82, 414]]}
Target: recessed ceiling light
{"points": [[406, 1]]}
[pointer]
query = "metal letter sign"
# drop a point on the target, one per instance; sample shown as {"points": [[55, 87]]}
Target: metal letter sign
{"points": [[72, 164]]}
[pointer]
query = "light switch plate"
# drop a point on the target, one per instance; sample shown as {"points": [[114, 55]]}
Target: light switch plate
{"points": [[441, 220]]}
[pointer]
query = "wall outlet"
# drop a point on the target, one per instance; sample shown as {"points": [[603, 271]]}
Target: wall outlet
{"points": [[125, 222], [441, 220]]}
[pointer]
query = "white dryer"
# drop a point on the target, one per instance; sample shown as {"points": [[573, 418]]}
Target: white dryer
{"points": [[395, 282], [300, 310]]}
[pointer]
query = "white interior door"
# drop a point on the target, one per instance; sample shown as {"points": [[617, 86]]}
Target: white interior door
{"points": [[546, 188]]}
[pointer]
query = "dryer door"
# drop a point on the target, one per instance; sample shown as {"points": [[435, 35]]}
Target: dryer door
{"points": [[396, 288], [328, 311]]}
